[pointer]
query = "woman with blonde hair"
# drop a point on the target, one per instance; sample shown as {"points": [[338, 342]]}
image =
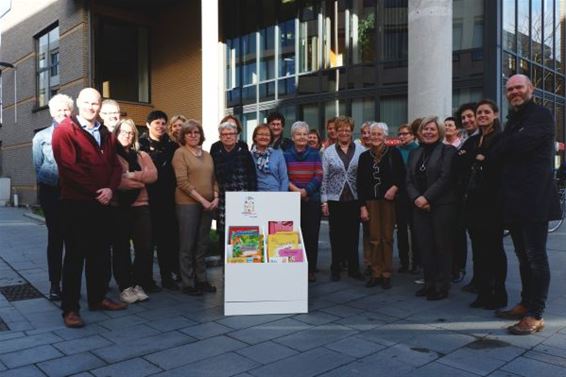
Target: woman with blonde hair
{"points": [[131, 217], [174, 127]]}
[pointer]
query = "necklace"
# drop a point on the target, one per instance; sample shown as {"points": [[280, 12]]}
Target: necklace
{"points": [[196, 153]]}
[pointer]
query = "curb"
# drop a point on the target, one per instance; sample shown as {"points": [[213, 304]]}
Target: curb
{"points": [[34, 217]]}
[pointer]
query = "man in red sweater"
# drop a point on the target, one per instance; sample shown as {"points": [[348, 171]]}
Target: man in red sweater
{"points": [[89, 172]]}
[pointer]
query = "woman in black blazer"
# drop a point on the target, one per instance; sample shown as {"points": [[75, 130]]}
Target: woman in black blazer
{"points": [[431, 189]]}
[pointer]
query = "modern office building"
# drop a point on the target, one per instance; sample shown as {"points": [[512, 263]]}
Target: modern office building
{"points": [[387, 60]]}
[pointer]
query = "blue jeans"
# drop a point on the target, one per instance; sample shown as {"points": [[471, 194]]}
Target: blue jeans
{"points": [[529, 240]]}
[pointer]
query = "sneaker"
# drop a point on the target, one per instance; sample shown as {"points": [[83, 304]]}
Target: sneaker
{"points": [[142, 296], [129, 296], [55, 293], [527, 326], [419, 281]]}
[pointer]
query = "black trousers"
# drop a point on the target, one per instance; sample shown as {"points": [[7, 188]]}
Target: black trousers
{"points": [[49, 199], [408, 252], [529, 240], [310, 226], [131, 223], [461, 244], [87, 236], [344, 225], [165, 233], [434, 233], [490, 261]]}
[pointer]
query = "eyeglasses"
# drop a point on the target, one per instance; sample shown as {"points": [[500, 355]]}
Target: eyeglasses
{"points": [[193, 133], [403, 133], [110, 113], [228, 134]]}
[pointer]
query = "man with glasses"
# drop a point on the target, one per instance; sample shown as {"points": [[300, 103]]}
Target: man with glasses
{"points": [[110, 114], [165, 232], [529, 199], [89, 173]]}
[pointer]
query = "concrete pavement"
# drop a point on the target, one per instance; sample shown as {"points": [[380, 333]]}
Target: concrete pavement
{"points": [[350, 330]]}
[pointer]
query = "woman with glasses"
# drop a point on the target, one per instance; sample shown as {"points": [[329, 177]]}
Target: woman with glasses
{"points": [[270, 164], [431, 190], [481, 173], [339, 195], [234, 169], [196, 198], [380, 175], [131, 216], [305, 176]]}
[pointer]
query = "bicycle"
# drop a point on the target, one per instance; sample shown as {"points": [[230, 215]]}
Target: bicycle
{"points": [[555, 224]]}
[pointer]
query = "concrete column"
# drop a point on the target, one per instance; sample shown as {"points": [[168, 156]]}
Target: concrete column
{"points": [[430, 58], [212, 71]]}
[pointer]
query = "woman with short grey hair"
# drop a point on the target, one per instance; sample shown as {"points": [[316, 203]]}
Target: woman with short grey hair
{"points": [[234, 169], [47, 176], [305, 177]]}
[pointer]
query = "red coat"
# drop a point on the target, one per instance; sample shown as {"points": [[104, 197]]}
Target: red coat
{"points": [[84, 167]]}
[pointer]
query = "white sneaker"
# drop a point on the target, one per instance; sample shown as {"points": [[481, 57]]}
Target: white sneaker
{"points": [[140, 293], [129, 296]]}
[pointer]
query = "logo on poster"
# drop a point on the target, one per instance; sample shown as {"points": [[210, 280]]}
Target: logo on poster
{"points": [[249, 206]]}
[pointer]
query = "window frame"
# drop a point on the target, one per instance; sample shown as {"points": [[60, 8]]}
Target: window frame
{"points": [[51, 90]]}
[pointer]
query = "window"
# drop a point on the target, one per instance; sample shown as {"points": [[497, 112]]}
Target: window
{"points": [[47, 68], [122, 60]]}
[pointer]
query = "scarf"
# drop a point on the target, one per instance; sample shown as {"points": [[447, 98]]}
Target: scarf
{"points": [[262, 158]]}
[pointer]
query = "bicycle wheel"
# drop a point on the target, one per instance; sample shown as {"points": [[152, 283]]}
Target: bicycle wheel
{"points": [[555, 224]]}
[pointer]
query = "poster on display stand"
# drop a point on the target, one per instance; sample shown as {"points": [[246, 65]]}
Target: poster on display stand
{"points": [[265, 285]]}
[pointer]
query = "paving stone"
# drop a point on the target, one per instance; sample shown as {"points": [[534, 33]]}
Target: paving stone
{"points": [[82, 374], [170, 324], [342, 311], [393, 333], [20, 325], [439, 341], [129, 334], [5, 335], [306, 364], [505, 353], [161, 313], [557, 341], [245, 321], [122, 322], [366, 321], [438, 370], [551, 350], [262, 333], [355, 347], [67, 365], [546, 358], [527, 367], [68, 333], [142, 346], [223, 365], [29, 356], [88, 343], [317, 318], [206, 315], [469, 361], [27, 371], [36, 305], [206, 330], [133, 367], [267, 352], [189, 353], [502, 373], [316, 336], [18, 344]]}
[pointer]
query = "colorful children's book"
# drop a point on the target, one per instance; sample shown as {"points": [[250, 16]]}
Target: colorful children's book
{"points": [[233, 229], [279, 226], [280, 241]]}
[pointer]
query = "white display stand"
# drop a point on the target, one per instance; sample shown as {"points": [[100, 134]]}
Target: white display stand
{"points": [[264, 288]]}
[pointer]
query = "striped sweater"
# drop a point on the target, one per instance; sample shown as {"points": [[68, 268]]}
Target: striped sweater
{"points": [[305, 170]]}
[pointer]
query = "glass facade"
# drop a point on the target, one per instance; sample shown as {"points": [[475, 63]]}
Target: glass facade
{"points": [[315, 59], [532, 44]]}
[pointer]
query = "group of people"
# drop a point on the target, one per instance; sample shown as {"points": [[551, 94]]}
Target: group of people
{"points": [[161, 190]]}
